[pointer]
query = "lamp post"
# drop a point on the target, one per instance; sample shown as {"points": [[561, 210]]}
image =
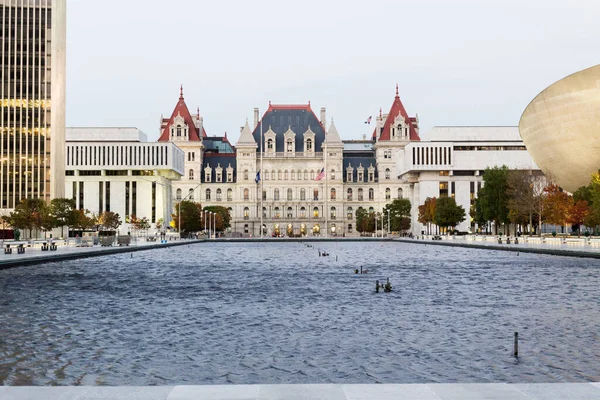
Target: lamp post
{"points": [[209, 221], [204, 212], [215, 224]]}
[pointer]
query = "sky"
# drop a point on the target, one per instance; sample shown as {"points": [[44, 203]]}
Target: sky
{"points": [[461, 62]]}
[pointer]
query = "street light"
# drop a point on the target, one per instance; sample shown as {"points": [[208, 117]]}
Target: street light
{"points": [[209, 220], [215, 224]]}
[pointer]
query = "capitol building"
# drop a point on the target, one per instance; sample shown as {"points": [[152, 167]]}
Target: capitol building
{"points": [[289, 171]]}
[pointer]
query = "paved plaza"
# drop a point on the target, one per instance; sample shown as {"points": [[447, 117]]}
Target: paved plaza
{"points": [[436, 391]]}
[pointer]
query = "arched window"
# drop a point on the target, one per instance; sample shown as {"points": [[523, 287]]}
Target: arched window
{"points": [[399, 193], [371, 194], [387, 173], [286, 176], [371, 210], [312, 174], [333, 174], [272, 175], [178, 195], [289, 212], [388, 193], [316, 212], [316, 194], [276, 194], [245, 174], [218, 194], [191, 174], [332, 212], [246, 194], [332, 194], [349, 228], [289, 194], [264, 212], [178, 130], [308, 144], [229, 194], [230, 211], [305, 175], [349, 213], [292, 175], [266, 174], [191, 194], [360, 194], [349, 194], [302, 194], [276, 211], [302, 212], [270, 144], [279, 175], [207, 197], [246, 213], [290, 146]]}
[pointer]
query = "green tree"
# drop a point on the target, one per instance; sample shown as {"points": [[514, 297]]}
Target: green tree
{"points": [[399, 215], [191, 220], [83, 220], [365, 221], [492, 198], [61, 210], [109, 220], [29, 214], [448, 214]]}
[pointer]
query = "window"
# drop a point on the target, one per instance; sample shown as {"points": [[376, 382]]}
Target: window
{"points": [[229, 194], [387, 173], [279, 174], [246, 228], [270, 144], [360, 176], [316, 212], [289, 194], [289, 212], [388, 193], [333, 174], [349, 213], [302, 212], [332, 213], [229, 176], [293, 175], [246, 213], [272, 175], [219, 175], [246, 194], [207, 175], [178, 195], [264, 194], [276, 194], [191, 174], [312, 175], [349, 228], [286, 175], [305, 175], [207, 194], [302, 194], [191, 156], [399, 193], [316, 194], [371, 194], [264, 212], [178, 130], [360, 194], [191, 194], [443, 189], [371, 176], [308, 144], [332, 194], [349, 176], [289, 147], [276, 213], [245, 174], [218, 194], [349, 194]]}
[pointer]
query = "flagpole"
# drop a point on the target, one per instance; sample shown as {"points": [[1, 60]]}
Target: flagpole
{"points": [[325, 177], [261, 179]]}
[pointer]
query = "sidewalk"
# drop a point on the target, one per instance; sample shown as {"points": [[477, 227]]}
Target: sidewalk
{"points": [[35, 255], [570, 247]]}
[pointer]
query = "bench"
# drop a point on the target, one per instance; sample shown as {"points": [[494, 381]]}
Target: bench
{"points": [[45, 246], [7, 249], [150, 239], [20, 249]]}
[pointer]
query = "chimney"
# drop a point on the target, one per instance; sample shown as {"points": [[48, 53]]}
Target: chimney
{"points": [[323, 116], [255, 116]]}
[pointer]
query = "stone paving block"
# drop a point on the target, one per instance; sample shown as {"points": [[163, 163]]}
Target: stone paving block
{"points": [[389, 392], [127, 393], [301, 392], [215, 392], [559, 391], [42, 393], [477, 391]]}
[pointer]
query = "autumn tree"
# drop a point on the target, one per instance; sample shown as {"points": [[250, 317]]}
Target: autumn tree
{"points": [[427, 212], [189, 213], [223, 218], [109, 220], [83, 220], [556, 205], [578, 213]]}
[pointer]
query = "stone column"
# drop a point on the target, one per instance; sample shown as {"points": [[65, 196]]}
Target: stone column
{"points": [[58, 96]]}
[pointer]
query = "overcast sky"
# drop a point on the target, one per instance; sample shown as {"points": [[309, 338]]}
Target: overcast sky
{"points": [[461, 62]]}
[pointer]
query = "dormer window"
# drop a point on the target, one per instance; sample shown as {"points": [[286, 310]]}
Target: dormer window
{"points": [[289, 146], [309, 141], [360, 176], [178, 131], [270, 144], [219, 176], [229, 173], [308, 144], [371, 177], [207, 174], [387, 173], [191, 175]]}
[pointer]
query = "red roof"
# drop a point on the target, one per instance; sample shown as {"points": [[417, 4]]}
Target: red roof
{"points": [[181, 109], [397, 108]]}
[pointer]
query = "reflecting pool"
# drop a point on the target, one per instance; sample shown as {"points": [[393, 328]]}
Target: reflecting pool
{"points": [[233, 313]]}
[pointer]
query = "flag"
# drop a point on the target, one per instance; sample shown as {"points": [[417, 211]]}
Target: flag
{"points": [[320, 175], [368, 121], [257, 179]]}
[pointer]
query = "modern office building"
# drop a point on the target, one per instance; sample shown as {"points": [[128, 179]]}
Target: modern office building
{"points": [[32, 83], [451, 160], [118, 170]]}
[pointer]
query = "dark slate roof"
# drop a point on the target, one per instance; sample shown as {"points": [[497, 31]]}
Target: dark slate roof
{"points": [[299, 117], [213, 160], [217, 144], [357, 159]]}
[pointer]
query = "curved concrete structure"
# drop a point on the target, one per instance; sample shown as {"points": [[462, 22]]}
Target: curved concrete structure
{"points": [[561, 129]]}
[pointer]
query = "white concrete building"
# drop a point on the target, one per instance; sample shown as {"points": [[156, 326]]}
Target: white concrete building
{"points": [[450, 161], [116, 169]]}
